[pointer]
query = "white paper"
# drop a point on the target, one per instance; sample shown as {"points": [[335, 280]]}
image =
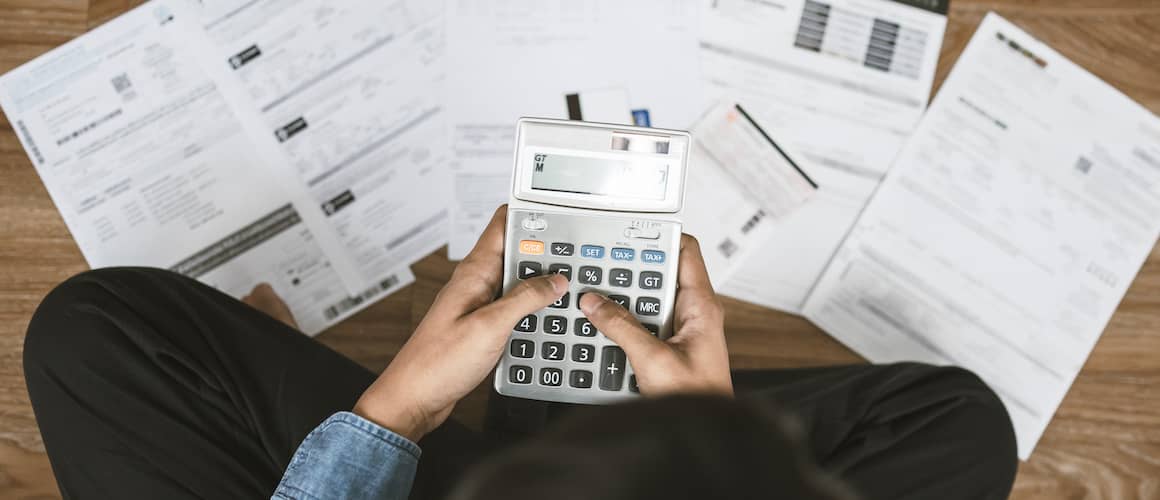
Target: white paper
{"points": [[1008, 230], [521, 58], [843, 119], [348, 97], [739, 184], [150, 164]]}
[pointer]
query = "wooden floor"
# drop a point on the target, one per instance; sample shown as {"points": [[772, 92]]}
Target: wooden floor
{"points": [[1104, 442]]}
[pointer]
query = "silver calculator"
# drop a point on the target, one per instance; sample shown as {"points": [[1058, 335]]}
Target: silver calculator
{"points": [[600, 204]]}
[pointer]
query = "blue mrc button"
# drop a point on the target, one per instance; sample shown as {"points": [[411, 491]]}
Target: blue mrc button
{"points": [[592, 251], [653, 256], [623, 254]]}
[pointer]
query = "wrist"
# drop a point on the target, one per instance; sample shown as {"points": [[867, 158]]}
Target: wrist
{"points": [[395, 418]]}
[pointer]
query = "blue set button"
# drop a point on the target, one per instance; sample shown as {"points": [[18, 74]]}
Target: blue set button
{"points": [[653, 256], [592, 251], [623, 254]]}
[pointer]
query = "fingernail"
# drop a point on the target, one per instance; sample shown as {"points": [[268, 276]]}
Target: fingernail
{"points": [[590, 301]]}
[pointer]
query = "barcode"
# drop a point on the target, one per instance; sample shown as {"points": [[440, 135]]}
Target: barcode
{"points": [[349, 303], [121, 83], [1083, 164], [727, 248]]}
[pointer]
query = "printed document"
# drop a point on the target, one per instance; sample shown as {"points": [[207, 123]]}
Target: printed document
{"points": [[739, 179], [840, 85], [161, 150], [596, 60], [1007, 231]]}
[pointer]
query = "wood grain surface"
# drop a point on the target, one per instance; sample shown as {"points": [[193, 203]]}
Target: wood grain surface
{"points": [[1104, 443]]}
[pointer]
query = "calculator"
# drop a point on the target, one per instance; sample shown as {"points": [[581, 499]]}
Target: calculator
{"points": [[600, 204]]}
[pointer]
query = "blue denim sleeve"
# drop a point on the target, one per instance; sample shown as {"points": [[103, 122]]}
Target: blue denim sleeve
{"points": [[350, 457]]}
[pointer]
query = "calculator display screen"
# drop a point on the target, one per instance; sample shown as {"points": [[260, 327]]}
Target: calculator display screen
{"points": [[640, 179]]}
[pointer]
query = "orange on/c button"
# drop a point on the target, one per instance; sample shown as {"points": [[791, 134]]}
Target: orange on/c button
{"points": [[531, 247]]}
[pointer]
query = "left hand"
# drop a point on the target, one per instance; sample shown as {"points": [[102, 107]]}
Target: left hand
{"points": [[458, 343]]}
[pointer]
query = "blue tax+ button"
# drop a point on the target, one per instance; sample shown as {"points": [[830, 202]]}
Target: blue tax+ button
{"points": [[653, 256], [592, 251], [623, 254]]}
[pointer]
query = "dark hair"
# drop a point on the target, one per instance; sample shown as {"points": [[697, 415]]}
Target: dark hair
{"points": [[672, 448]]}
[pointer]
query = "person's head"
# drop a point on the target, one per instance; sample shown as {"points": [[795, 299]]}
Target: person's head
{"points": [[672, 448]]}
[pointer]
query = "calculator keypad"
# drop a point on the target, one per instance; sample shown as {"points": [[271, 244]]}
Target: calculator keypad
{"points": [[557, 350]]}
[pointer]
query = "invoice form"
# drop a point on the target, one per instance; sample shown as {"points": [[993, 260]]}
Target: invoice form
{"points": [[150, 166], [1008, 229], [349, 95], [524, 57], [839, 84]]}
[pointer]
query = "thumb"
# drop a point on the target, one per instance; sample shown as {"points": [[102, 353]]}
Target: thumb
{"points": [[526, 297], [616, 323]]}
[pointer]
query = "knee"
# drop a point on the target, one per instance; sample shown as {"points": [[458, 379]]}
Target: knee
{"points": [[982, 429], [72, 319]]}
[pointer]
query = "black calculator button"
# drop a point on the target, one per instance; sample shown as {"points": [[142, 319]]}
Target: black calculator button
{"points": [[650, 280], [648, 306], [580, 379], [557, 325], [552, 351], [563, 269], [620, 300], [551, 376], [527, 269], [590, 275], [564, 249], [585, 328], [653, 329], [620, 277], [583, 353], [520, 374], [612, 363], [632, 384], [523, 348], [561, 302], [527, 324]]}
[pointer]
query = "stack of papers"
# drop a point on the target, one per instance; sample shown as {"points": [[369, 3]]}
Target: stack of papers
{"points": [[325, 147]]}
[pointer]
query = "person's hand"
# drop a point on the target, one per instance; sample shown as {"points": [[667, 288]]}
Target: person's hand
{"points": [[458, 343], [694, 359]]}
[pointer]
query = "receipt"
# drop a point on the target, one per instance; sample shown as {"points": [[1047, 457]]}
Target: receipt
{"points": [[740, 182]]}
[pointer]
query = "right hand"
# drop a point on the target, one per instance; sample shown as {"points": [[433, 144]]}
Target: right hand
{"points": [[695, 358]]}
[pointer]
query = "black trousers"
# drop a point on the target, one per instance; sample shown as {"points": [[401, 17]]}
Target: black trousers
{"points": [[147, 384]]}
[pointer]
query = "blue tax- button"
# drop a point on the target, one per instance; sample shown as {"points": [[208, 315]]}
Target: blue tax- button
{"points": [[652, 256], [623, 254], [592, 251]]}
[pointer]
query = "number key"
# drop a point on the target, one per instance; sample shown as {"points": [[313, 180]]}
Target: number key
{"points": [[584, 328], [561, 269], [523, 348], [583, 353], [520, 374], [552, 351], [561, 302], [590, 275], [526, 325], [557, 325], [551, 376]]}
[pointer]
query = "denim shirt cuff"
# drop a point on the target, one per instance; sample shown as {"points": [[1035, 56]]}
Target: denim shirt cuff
{"points": [[348, 456]]}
